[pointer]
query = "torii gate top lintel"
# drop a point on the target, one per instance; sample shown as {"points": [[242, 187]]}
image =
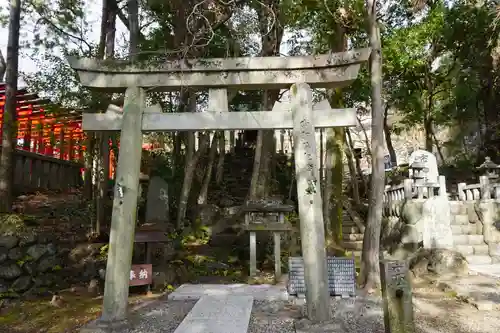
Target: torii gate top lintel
{"points": [[320, 71]]}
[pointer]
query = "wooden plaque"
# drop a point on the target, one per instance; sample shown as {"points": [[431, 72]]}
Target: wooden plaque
{"points": [[141, 275]]}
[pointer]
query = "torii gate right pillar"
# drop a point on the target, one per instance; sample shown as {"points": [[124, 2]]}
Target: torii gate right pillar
{"points": [[312, 228]]}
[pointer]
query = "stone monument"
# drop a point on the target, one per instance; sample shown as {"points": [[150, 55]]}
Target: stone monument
{"points": [[429, 162], [157, 201], [436, 223]]}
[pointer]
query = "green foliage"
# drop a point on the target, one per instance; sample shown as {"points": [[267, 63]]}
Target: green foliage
{"points": [[103, 252]]}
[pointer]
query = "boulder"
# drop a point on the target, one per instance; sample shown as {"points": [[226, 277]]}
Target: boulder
{"points": [[22, 284], [15, 254], [438, 261], [4, 287], [44, 280], [8, 241], [48, 264], [30, 267], [27, 239], [51, 249], [93, 287], [411, 212], [37, 251], [3, 254], [10, 272], [206, 215]]}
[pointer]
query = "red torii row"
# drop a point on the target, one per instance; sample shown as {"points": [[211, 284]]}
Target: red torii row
{"points": [[55, 134], [43, 131]]}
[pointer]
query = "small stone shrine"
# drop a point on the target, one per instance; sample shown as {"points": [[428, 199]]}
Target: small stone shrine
{"points": [[266, 215]]}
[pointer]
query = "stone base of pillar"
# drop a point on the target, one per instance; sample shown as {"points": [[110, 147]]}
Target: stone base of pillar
{"points": [[102, 326]]}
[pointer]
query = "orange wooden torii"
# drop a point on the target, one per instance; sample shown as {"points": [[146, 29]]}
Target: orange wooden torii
{"points": [[55, 134]]}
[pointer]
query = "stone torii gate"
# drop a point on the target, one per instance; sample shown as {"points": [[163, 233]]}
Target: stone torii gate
{"points": [[217, 75]]}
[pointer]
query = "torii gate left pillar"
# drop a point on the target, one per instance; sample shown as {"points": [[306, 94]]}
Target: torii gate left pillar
{"points": [[242, 73]]}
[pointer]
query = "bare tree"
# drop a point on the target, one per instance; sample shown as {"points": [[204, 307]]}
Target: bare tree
{"points": [[9, 133], [370, 271]]}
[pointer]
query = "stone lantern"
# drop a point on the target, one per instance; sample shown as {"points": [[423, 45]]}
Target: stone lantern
{"points": [[489, 169], [419, 172]]}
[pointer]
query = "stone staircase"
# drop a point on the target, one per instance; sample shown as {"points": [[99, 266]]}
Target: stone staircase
{"points": [[469, 240], [351, 235]]}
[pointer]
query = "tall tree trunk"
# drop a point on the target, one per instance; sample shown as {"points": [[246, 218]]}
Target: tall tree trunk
{"points": [[353, 173], [327, 193], [256, 168], [267, 150], [321, 164], [3, 66], [133, 22], [370, 271], [333, 206], [388, 139], [88, 163], [202, 198], [192, 158], [428, 134], [221, 142], [106, 50], [356, 159], [332, 203], [9, 127], [271, 31]]}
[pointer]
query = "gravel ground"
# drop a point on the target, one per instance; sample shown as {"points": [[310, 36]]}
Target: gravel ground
{"points": [[161, 317], [435, 312], [348, 316]]}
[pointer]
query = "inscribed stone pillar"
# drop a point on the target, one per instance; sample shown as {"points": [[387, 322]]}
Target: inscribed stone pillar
{"points": [[312, 230], [436, 219], [397, 296], [123, 220]]}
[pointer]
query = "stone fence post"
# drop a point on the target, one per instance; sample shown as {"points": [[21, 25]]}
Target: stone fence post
{"points": [[408, 188], [461, 191], [442, 186], [485, 187]]}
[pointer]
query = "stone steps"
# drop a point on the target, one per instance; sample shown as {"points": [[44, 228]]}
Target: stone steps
{"points": [[468, 239], [479, 260], [353, 245], [350, 229], [469, 229], [353, 237], [468, 250], [460, 220]]}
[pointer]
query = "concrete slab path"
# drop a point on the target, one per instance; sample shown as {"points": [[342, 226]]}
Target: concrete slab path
{"points": [[263, 292], [218, 314]]}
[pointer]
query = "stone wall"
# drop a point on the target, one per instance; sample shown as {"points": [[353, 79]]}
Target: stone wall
{"points": [[32, 265], [27, 264], [473, 221]]}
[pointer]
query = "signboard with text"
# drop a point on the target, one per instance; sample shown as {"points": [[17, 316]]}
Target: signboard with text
{"points": [[141, 275]]}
